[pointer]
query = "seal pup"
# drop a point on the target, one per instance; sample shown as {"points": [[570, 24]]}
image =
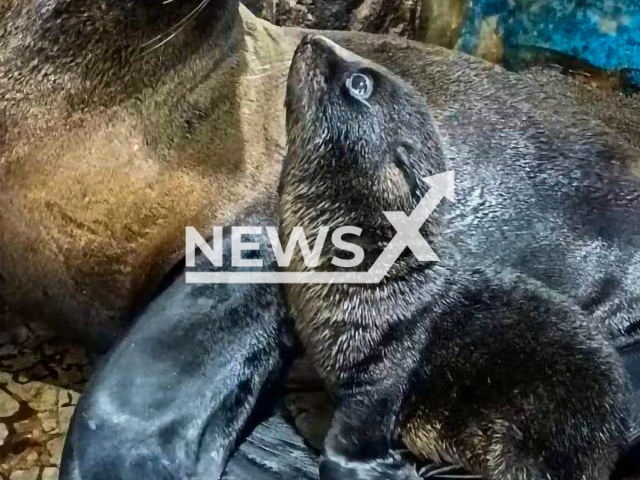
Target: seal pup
{"points": [[501, 357]]}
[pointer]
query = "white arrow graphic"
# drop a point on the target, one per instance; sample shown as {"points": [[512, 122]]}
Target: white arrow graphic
{"points": [[408, 228], [408, 236]]}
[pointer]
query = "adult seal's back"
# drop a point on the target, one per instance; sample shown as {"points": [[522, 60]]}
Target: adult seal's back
{"points": [[507, 355]]}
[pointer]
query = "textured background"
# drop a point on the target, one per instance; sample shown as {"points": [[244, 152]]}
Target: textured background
{"points": [[40, 381], [579, 35]]}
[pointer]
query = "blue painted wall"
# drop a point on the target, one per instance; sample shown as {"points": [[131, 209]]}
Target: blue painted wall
{"points": [[605, 33]]}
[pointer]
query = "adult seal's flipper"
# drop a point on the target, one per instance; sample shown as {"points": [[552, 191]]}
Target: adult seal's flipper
{"points": [[187, 383]]}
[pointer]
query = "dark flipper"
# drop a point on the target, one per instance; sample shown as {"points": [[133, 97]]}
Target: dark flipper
{"points": [[629, 464], [274, 451], [173, 399], [359, 445]]}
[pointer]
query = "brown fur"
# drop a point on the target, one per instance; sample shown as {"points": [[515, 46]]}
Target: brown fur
{"points": [[94, 212]]}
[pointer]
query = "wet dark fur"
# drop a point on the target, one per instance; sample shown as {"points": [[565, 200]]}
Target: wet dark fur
{"points": [[502, 356]]}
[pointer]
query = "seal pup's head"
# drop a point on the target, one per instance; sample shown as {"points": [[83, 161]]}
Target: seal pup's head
{"points": [[360, 141]]}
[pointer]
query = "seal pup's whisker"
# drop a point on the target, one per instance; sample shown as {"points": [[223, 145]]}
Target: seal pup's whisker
{"points": [[436, 471], [459, 476], [277, 62]]}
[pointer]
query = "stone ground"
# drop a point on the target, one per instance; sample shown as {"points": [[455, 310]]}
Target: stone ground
{"points": [[40, 381]]}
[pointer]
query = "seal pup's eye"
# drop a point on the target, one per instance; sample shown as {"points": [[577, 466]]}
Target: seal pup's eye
{"points": [[360, 86]]}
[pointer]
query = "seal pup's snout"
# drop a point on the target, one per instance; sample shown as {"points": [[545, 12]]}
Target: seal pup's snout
{"points": [[331, 50], [318, 64], [318, 56]]}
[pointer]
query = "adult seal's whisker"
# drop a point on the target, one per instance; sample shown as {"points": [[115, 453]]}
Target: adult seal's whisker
{"points": [[176, 29]]}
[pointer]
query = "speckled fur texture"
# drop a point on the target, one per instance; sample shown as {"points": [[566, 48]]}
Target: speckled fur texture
{"points": [[504, 357]]}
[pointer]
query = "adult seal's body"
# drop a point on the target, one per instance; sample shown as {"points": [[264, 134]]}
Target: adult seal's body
{"points": [[506, 356], [120, 124]]}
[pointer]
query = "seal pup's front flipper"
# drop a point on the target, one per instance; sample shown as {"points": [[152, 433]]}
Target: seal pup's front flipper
{"points": [[187, 382], [273, 451], [388, 467], [629, 463], [359, 443]]}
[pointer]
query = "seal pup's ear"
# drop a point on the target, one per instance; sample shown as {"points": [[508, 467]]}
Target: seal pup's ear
{"points": [[402, 153]]}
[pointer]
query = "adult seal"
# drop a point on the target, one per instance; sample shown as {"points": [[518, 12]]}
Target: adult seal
{"points": [[120, 124], [506, 356]]}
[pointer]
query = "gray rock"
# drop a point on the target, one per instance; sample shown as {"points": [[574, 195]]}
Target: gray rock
{"points": [[395, 17], [3, 433], [8, 406]]}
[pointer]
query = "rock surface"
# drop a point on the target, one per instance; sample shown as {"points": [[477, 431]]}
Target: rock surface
{"points": [[39, 384], [603, 35], [395, 17]]}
